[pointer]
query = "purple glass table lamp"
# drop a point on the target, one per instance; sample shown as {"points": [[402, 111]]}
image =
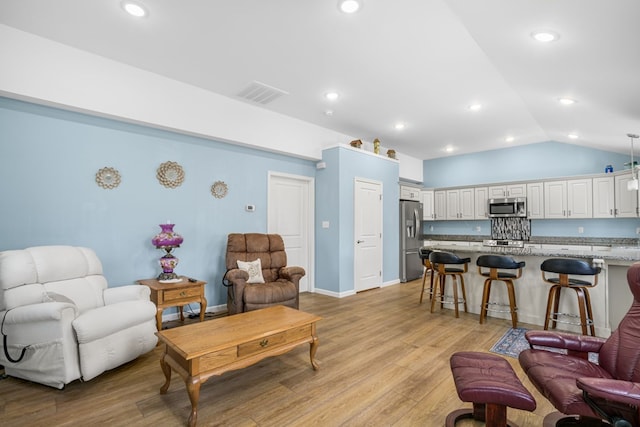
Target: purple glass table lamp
{"points": [[167, 239]]}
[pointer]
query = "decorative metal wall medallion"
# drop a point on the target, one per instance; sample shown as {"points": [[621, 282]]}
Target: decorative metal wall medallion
{"points": [[170, 174], [219, 189], [108, 178]]}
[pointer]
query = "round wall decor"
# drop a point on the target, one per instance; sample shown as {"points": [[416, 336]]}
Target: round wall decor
{"points": [[170, 174], [219, 189], [108, 178]]}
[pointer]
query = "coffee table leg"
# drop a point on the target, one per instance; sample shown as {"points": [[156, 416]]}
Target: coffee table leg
{"points": [[167, 374], [312, 352], [193, 388]]}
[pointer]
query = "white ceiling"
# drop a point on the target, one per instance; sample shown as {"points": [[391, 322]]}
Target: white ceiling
{"points": [[421, 62]]}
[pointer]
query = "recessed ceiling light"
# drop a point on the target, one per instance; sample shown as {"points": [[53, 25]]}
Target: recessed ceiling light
{"points": [[545, 36], [399, 126], [448, 149], [475, 107], [349, 6], [566, 101], [573, 136], [509, 139], [134, 9], [331, 96]]}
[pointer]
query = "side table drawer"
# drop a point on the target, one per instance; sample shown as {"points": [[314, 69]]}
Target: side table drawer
{"points": [[267, 343], [178, 294]]}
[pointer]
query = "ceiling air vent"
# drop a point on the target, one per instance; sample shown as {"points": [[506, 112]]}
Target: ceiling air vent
{"points": [[261, 93]]}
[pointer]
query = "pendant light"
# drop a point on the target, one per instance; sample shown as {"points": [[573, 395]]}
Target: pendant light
{"points": [[633, 184]]}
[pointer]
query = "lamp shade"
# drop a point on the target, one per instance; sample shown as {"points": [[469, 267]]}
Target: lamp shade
{"points": [[167, 238]]}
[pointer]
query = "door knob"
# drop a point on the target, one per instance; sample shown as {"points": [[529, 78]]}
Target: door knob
{"points": [[359, 241]]}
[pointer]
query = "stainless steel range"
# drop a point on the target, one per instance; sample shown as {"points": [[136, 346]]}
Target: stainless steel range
{"points": [[503, 243]]}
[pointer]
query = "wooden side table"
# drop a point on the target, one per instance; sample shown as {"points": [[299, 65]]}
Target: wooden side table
{"points": [[175, 294]]}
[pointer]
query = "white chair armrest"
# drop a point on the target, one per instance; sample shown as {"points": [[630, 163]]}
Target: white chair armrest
{"points": [[104, 321], [38, 312], [126, 293]]}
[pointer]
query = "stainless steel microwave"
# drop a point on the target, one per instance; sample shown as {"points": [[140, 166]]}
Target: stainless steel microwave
{"points": [[508, 207]]}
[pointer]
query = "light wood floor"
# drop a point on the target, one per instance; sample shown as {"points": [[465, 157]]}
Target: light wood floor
{"points": [[384, 361]]}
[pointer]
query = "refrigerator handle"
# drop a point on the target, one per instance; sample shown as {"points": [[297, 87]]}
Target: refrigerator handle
{"points": [[416, 221]]}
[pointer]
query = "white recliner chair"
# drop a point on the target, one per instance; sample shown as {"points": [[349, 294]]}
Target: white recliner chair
{"points": [[59, 320]]}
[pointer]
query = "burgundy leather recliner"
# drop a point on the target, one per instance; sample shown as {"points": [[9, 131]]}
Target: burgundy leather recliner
{"points": [[609, 390]]}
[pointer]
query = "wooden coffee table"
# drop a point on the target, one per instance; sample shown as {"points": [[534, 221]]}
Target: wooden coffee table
{"points": [[201, 350]]}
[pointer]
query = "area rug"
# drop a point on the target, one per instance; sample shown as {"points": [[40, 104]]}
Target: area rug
{"points": [[513, 342]]}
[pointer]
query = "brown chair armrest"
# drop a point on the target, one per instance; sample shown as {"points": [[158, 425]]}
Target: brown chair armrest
{"points": [[293, 274], [236, 275], [573, 343], [614, 390]]}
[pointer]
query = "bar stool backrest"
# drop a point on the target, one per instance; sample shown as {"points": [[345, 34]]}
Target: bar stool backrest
{"points": [[442, 257], [499, 261], [569, 266], [424, 253]]}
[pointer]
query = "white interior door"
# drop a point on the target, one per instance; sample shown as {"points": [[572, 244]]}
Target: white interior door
{"points": [[367, 234], [290, 214]]}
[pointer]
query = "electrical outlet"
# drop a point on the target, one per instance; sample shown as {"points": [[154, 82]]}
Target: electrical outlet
{"points": [[638, 230], [478, 229], [580, 230]]}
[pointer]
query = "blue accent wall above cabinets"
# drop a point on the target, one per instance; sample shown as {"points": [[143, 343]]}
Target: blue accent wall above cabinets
{"points": [[49, 194], [534, 161]]}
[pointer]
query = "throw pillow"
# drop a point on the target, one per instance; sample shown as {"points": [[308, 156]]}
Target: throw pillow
{"points": [[254, 268]]}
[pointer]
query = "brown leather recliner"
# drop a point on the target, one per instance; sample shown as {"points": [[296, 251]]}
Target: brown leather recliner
{"points": [[609, 390], [281, 283]]}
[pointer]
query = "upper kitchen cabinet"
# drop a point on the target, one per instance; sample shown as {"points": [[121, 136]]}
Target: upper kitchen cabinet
{"points": [[535, 200], [481, 198], [568, 199], [460, 203], [508, 190], [440, 204], [428, 205], [409, 193], [603, 197], [626, 202]]}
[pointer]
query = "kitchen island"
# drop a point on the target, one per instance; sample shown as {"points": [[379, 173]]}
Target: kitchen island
{"points": [[610, 299]]}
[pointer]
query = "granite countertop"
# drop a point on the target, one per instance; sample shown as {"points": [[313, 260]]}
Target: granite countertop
{"points": [[614, 249], [626, 254]]}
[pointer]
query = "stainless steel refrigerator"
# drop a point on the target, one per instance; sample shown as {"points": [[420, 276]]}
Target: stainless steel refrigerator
{"points": [[410, 240]]}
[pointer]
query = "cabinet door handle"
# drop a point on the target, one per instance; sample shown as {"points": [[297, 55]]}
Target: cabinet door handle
{"points": [[611, 212], [183, 294], [264, 343]]}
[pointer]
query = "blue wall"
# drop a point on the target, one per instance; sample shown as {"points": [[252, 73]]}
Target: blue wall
{"points": [[335, 245], [528, 162], [48, 162]]}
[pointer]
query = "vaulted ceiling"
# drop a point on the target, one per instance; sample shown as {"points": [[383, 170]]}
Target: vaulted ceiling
{"points": [[421, 63]]}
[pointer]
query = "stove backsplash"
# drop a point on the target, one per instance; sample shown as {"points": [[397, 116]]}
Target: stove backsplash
{"points": [[510, 228]]}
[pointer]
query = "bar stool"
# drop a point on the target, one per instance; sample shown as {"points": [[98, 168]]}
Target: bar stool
{"points": [[564, 268], [428, 268], [496, 264], [449, 264]]}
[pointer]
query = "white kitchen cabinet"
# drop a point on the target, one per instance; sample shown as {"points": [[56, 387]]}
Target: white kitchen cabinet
{"points": [[626, 202], [535, 200], [603, 197], [440, 204], [555, 199], [481, 195], [428, 206], [409, 193], [580, 198], [460, 204], [568, 199], [507, 190]]}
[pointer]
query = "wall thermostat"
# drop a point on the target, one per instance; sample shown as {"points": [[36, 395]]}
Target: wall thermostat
{"points": [[250, 208]]}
